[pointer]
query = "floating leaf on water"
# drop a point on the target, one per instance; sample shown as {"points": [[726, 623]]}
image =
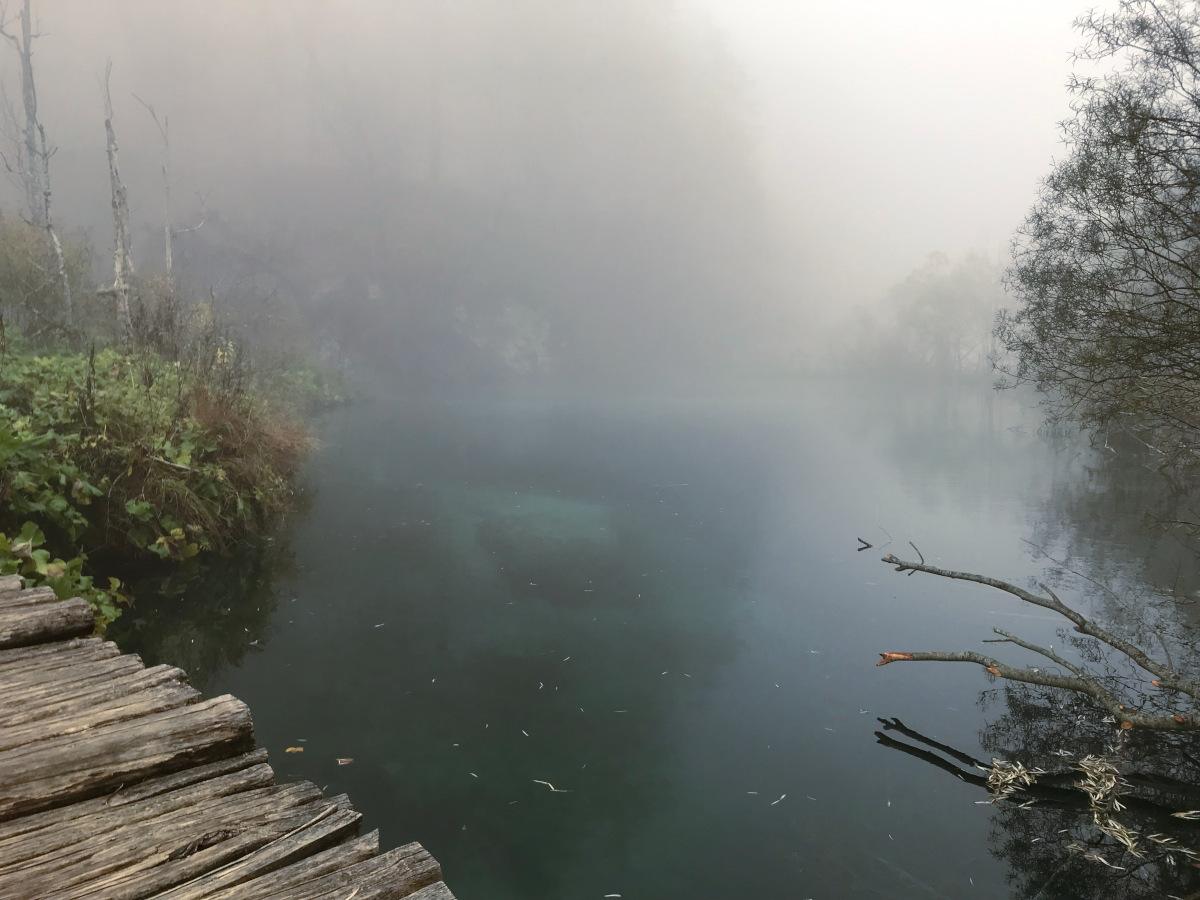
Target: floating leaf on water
{"points": [[294, 750], [344, 760]]}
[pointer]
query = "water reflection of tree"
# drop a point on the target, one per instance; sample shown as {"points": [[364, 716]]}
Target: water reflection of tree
{"points": [[1047, 831], [1114, 517], [205, 615]]}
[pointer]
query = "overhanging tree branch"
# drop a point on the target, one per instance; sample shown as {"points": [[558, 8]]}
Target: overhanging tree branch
{"points": [[1081, 680]]}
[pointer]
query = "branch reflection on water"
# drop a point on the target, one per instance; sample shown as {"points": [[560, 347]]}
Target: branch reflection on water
{"points": [[1083, 808], [1065, 833]]}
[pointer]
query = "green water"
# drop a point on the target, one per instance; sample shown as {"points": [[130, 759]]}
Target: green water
{"points": [[656, 607]]}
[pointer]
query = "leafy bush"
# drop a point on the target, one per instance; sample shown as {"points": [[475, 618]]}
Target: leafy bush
{"points": [[24, 555], [147, 453], [128, 454]]}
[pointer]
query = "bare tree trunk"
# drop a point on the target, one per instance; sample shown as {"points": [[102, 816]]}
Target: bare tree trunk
{"points": [[164, 130], [167, 200], [122, 252], [34, 157], [60, 261], [27, 146], [29, 99]]}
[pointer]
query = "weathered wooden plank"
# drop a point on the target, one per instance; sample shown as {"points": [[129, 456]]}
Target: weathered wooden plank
{"points": [[26, 598], [156, 787], [133, 862], [268, 885], [223, 857], [71, 768], [118, 782], [393, 875], [45, 622], [148, 691], [64, 680], [272, 825], [59, 654], [77, 670], [435, 891], [54, 835], [28, 697], [299, 845], [237, 773], [56, 653]]}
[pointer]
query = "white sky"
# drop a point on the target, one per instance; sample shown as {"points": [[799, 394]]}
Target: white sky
{"points": [[893, 128]]}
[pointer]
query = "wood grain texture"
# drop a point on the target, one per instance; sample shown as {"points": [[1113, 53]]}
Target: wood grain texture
{"points": [[121, 782], [40, 622], [71, 767], [57, 654], [11, 598]]}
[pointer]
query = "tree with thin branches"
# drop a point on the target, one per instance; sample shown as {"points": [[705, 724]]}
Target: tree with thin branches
{"points": [[1106, 266]]}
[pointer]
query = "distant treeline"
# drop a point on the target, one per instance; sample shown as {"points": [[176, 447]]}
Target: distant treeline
{"points": [[938, 322]]}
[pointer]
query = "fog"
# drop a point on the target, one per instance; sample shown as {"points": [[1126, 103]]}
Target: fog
{"points": [[597, 192], [588, 519], [890, 130]]}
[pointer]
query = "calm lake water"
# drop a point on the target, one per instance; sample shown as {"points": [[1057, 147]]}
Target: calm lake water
{"points": [[656, 607]]}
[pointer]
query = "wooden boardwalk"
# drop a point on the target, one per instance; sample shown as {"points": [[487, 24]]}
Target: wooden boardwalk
{"points": [[121, 782]]}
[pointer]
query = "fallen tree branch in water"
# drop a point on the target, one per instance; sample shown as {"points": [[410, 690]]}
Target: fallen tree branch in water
{"points": [[1061, 788], [1080, 680]]}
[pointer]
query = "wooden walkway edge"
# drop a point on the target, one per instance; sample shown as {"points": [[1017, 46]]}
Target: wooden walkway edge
{"points": [[121, 782]]}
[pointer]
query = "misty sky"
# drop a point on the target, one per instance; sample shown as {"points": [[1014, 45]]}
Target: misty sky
{"points": [[892, 129], [697, 161]]}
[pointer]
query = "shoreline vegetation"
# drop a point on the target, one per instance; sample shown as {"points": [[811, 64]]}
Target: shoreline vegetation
{"points": [[139, 428], [120, 457]]}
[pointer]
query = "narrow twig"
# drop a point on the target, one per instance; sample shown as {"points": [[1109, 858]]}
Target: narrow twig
{"points": [[1127, 717], [1166, 675]]}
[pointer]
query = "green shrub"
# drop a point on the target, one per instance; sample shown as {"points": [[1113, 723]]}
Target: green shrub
{"points": [[24, 555], [130, 455]]}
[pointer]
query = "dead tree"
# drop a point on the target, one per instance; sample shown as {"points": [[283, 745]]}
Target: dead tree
{"points": [[48, 222], [123, 251], [33, 156], [164, 130], [169, 233], [1073, 677], [28, 156]]}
